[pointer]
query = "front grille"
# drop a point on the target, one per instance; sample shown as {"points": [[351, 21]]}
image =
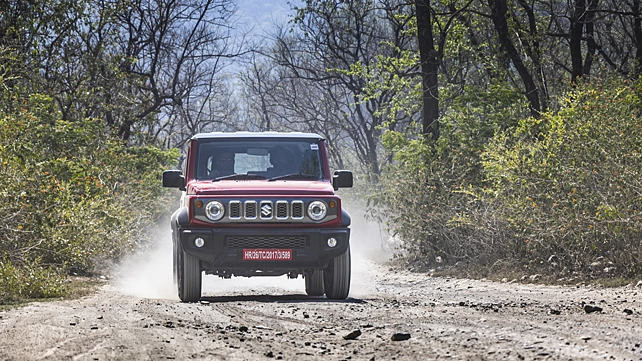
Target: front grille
{"points": [[266, 210], [266, 241]]}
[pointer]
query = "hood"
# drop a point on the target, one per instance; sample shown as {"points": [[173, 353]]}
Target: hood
{"points": [[261, 187]]}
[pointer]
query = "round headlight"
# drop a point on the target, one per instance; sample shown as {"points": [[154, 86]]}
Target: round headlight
{"points": [[317, 210], [214, 210]]}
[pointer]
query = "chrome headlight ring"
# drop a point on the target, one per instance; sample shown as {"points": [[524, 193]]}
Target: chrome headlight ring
{"points": [[214, 210], [317, 210]]}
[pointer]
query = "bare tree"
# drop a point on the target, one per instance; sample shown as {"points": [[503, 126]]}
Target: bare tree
{"points": [[313, 72], [152, 69], [278, 101], [499, 10], [180, 47]]}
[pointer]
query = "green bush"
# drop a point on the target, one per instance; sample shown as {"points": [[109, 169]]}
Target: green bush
{"points": [[29, 282], [428, 198], [569, 184], [559, 195], [71, 196]]}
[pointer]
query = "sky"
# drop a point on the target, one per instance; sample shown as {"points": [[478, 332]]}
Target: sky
{"points": [[260, 15]]}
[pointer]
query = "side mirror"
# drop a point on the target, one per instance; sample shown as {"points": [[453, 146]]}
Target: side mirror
{"points": [[173, 179], [342, 179]]}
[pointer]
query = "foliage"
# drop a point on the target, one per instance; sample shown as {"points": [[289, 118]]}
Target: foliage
{"points": [[557, 195], [151, 69], [70, 197], [29, 282], [426, 193], [568, 184]]}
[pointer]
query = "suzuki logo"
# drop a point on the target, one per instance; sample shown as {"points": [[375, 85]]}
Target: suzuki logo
{"points": [[266, 210]]}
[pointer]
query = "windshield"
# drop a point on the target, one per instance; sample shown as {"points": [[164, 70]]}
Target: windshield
{"points": [[264, 158]]}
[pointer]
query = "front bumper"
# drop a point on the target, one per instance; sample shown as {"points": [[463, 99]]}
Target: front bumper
{"points": [[222, 251]]}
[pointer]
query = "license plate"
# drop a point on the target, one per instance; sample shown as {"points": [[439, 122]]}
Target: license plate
{"points": [[267, 254]]}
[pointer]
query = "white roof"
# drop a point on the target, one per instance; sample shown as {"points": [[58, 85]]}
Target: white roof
{"points": [[220, 135]]}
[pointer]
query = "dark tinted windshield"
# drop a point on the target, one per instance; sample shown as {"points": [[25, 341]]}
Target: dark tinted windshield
{"points": [[270, 158]]}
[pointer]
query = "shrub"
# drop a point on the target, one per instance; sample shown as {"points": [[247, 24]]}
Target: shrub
{"points": [[428, 195], [569, 184], [70, 195], [559, 195], [29, 282]]}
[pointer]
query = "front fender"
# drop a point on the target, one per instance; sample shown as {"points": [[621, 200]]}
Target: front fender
{"points": [[180, 218], [346, 220]]}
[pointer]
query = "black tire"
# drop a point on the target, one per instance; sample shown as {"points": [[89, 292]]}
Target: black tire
{"points": [[175, 250], [189, 276], [336, 277], [314, 283]]}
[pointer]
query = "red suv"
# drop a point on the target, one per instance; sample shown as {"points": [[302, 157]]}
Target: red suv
{"points": [[260, 204]]}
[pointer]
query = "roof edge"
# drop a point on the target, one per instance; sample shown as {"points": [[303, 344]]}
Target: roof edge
{"points": [[245, 134]]}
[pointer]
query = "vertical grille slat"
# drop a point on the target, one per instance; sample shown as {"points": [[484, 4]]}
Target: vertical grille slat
{"points": [[281, 210], [250, 210], [297, 210], [235, 210]]}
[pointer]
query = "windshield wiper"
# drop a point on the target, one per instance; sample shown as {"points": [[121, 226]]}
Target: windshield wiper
{"points": [[239, 176], [294, 176]]}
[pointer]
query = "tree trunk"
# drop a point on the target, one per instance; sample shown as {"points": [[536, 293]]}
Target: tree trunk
{"points": [[429, 68], [499, 9], [533, 50], [575, 44], [637, 31], [591, 44]]}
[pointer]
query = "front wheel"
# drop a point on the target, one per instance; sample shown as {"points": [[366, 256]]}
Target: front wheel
{"points": [[314, 283], [175, 249], [337, 277], [189, 276]]}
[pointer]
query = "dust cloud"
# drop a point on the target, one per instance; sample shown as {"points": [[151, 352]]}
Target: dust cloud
{"points": [[149, 274]]}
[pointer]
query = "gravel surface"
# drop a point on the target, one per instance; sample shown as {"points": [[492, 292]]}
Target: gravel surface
{"points": [[389, 315]]}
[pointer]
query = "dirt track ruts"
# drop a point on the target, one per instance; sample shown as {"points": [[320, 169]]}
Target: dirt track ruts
{"points": [[445, 318]]}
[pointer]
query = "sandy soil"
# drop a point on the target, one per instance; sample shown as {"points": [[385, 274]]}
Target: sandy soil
{"points": [[388, 316]]}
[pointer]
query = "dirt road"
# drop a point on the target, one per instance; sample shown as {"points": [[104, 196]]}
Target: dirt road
{"points": [[137, 317]]}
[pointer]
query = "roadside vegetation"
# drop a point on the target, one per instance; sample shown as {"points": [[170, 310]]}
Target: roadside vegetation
{"points": [[72, 199], [490, 137], [556, 197]]}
